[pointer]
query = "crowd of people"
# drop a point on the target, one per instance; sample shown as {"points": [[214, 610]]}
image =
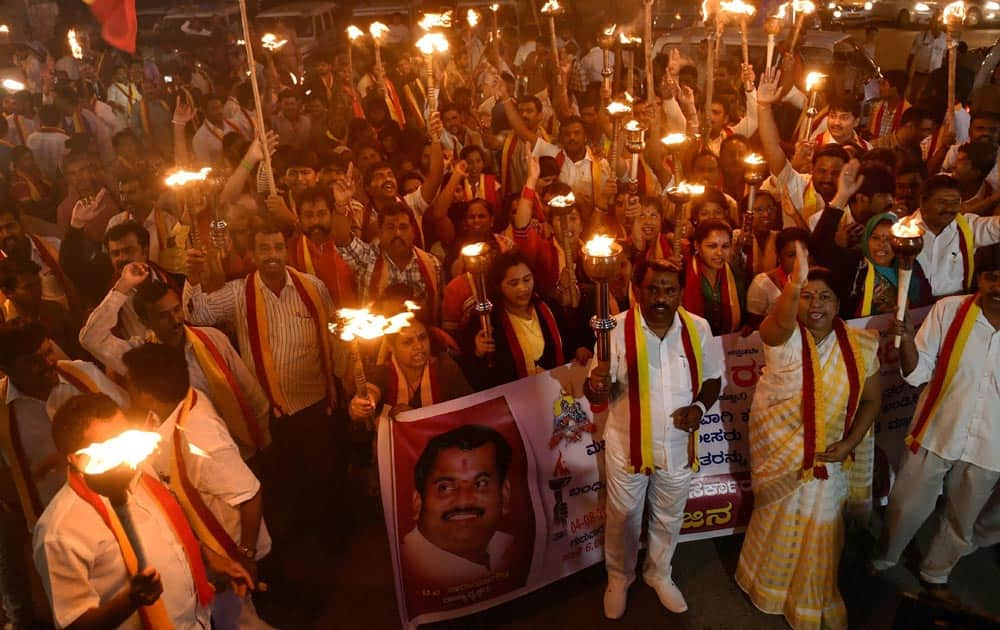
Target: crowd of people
{"points": [[202, 313]]}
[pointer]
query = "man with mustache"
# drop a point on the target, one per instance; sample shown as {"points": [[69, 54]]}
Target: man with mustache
{"points": [[312, 249], [807, 194], [953, 441], [841, 123], [950, 237], [984, 127], [665, 416], [137, 194], [16, 242], [461, 492], [158, 307]]}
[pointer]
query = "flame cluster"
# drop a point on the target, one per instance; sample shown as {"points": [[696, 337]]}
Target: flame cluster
{"points": [[687, 188], [360, 323], [435, 20], [271, 42], [552, 7], [906, 230], [432, 42], [737, 7], [600, 245], [181, 177], [563, 201], [129, 448], [353, 32], [74, 44], [672, 139], [377, 30], [812, 79], [617, 108], [474, 249]]}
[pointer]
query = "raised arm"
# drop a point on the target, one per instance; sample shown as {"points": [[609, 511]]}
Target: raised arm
{"points": [[779, 325], [183, 114], [435, 174], [769, 93]]}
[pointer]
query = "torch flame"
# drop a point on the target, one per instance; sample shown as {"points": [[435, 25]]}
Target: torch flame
{"points": [[628, 98], [906, 230], [812, 79], [4, 28], [551, 7], [628, 40], [360, 323], [563, 201], [432, 42], [708, 8], [494, 7], [353, 32], [181, 177], [475, 249], [610, 31], [633, 125], [753, 159], [377, 30], [271, 42], [738, 7], [74, 44], [674, 138], [12, 85], [600, 245], [435, 20], [690, 189], [803, 6], [473, 17], [617, 108], [129, 448], [954, 13]]}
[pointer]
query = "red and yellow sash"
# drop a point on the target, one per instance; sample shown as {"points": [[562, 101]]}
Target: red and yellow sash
{"points": [[77, 378], [205, 525], [19, 126], [425, 263], [225, 390], [639, 408], [949, 357], [155, 616], [967, 246], [147, 125], [13, 450], [331, 269], [393, 103], [778, 277], [415, 107], [258, 330], [397, 388], [595, 176], [548, 322], [694, 298], [212, 130], [50, 256], [486, 189], [813, 419], [879, 115], [33, 191], [506, 157], [79, 124]]}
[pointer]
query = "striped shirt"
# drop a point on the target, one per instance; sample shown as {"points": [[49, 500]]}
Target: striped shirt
{"points": [[361, 258], [291, 332]]}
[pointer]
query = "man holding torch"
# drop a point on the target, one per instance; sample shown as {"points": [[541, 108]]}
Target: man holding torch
{"points": [[662, 375]]}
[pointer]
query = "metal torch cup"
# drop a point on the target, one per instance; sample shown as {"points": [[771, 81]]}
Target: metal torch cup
{"points": [[607, 44], [600, 269], [635, 143], [754, 175], [905, 249], [477, 265]]}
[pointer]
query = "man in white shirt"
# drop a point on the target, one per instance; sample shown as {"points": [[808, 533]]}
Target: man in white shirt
{"points": [[16, 242], [159, 309], [946, 257], [207, 142], [158, 385], [926, 56], [578, 165], [21, 121], [456, 541], [80, 559], [137, 196], [953, 440], [123, 95], [593, 64], [48, 142], [675, 415]]}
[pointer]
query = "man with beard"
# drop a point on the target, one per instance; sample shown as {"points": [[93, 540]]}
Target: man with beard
{"points": [[663, 419], [213, 364], [984, 126], [207, 142], [293, 127], [909, 179], [950, 237], [313, 251], [461, 493], [383, 189], [16, 242], [844, 114], [806, 194], [954, 448], [862, 192], [301, 167], [137, 195], [84, 183], [526, 138], [457, 135], [974, 162], [395, 260], [280, 316]]}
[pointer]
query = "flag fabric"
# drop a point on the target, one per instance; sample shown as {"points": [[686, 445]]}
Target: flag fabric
{"points": [[118, 22]]}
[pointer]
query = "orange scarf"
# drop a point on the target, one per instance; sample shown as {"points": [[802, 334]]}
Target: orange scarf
{"points": [[328, 266], [154, 617], [258, 332]]}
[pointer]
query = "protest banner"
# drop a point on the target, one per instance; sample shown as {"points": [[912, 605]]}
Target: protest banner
{"points": [[496, 494]]}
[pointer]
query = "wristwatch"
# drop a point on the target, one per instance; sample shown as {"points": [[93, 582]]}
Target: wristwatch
{"points": [[700, 405]]}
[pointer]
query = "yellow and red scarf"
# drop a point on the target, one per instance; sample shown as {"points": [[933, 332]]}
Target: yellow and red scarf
{"points": [[425, 263], [486, 189], [813, 419], [397, 388], [34, 192], [258, 332], [548, 323], [393, 103], [77, 378], [225, 390], [415, 106], [640, 412], [203, 522], [949, 357], [967, 247], [595, 176], [17, 459], [694, 297], [337, 279], [155, 616]]}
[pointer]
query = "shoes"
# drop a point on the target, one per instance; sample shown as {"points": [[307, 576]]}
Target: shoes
{"points": [[670, 596], [616, 597], [940, 592]]}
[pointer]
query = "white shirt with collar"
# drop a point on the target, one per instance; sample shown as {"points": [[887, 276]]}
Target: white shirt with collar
{"points": [[965, 426], [794, 184], [593, 64], [207, 143], [669, 386], [48, 149], [941, 257], [52, 289], [580, 177], [155, 246], [81, 564], [437, 566], [928, 51], [218, 472], [28, 125]]}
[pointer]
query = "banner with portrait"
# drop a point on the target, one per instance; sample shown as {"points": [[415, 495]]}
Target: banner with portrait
{"points": [[496, 494]]}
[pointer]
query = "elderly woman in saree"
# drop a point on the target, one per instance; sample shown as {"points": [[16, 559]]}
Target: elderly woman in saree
{"points": [[810, 450]]}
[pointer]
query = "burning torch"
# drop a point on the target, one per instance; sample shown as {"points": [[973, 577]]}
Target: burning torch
{"points": [[553, 9], [476, 258], [953, 16], [617, 111], [378, 30], [801, 9], [740, 12], [178, 180], [428, 45], [108, 469], [353, 33], [674, 142], [12, 86], [772, 26], [494, 9], [600, 260], [812, 79], [74, 44], [265, 171], [627, 45], [680, 195], [561, 206], [907, 241], [606, 40], [635, 142], [754, 174]]}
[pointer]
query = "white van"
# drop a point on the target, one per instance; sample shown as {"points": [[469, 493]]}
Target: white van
{"points": [[311, 20]]}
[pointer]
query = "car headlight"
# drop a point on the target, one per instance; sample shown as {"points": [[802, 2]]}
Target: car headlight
{"points": [[921, 7], [992, 6], [868, 6]]}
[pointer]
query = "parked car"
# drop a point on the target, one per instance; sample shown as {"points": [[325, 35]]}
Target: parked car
{"points": [[900, 12], [981, 12], [311, 21]]}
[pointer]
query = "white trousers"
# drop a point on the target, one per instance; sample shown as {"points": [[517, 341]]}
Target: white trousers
{"points": [[665, 493], [970, 519]]}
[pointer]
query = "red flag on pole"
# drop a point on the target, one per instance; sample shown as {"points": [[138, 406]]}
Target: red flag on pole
{"points": [[118, 22]]}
